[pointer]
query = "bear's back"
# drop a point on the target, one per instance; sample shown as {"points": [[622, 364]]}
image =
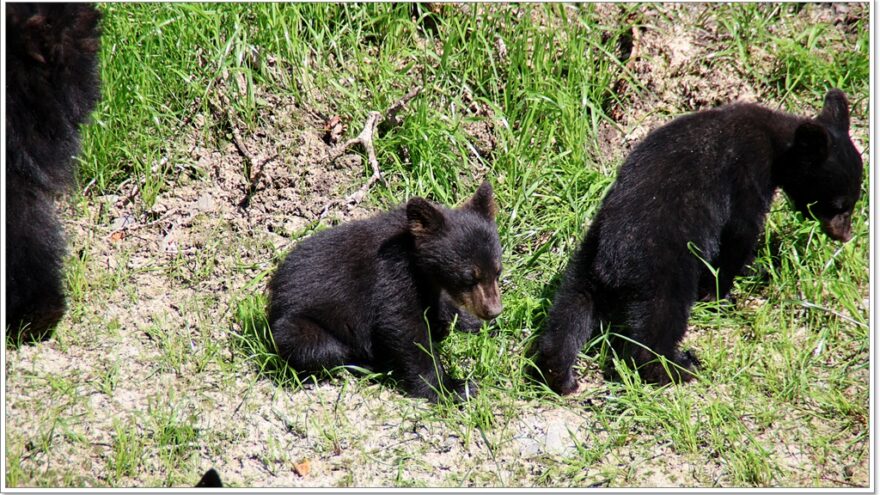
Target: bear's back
{"points": [[336, 268], [680, 186]]}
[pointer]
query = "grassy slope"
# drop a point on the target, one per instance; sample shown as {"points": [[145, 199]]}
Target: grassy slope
{"points": [[783, 370]]}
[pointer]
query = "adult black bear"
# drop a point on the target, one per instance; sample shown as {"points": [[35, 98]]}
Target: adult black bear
{"points": [[52, 85], [701, 184], [360, 293]]}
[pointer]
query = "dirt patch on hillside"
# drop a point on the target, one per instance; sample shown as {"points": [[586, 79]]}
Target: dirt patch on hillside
{"points": [[682, 59], [199, 245]]}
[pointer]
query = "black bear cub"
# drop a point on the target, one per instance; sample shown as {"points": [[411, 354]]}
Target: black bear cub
{"points": [[380, 293], [52, 84], [698, 186]]}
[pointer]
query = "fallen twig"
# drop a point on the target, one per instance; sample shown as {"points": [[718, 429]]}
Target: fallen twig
{"points": [[391, 118], [128, 227], [375, 120], [255, 166], [810, 305], [88, 186]]}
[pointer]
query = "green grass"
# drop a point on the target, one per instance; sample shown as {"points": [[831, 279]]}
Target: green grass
{"points": [[128, 451], [784, 369], [255, 344]]}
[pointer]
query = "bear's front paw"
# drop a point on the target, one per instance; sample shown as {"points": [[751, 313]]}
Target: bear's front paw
{"points": [[680, 369], [688, 360], [468, 323], [462, 390], [565, 384], [561, 382]]}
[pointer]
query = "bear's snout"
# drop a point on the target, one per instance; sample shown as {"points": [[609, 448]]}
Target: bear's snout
{"points": [[488, 300], [838, 228]]}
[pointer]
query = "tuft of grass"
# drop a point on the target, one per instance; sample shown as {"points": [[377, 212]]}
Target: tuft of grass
{"points": [[255, 343], [128, 452]]}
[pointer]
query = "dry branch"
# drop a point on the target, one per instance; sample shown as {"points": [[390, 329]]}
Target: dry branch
{"points": [[375, 121]]}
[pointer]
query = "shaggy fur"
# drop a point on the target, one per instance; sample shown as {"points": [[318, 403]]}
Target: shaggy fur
{"points": [[52, 85], [360, 293], [700, 185]]}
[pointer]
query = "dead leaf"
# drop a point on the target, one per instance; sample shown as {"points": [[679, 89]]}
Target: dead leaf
{"points": [[117, 236], [333, 130], [303, 468]]}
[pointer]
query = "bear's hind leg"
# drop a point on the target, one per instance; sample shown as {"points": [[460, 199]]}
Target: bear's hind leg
{"points": [[35, 300], [310, 348], [657, 326]]}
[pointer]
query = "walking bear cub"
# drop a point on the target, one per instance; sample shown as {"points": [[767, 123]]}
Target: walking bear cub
{"points": [[379, 293], [700, 185]]}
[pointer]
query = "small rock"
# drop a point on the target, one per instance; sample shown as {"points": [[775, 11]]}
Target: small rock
{"points": [[528, 447], [122, 222], [558, 439], [109, 199], [205, 203], [168, 245]]}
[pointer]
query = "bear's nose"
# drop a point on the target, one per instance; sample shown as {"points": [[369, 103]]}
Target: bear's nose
{"points": [[840, 233], [493, 309]]}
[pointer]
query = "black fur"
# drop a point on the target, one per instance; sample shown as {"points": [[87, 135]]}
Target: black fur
{"points": [[210, 480], [705, 179], [360, 293], [52, 85]]}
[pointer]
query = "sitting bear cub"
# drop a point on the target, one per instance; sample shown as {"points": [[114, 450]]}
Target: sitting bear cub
{"points": [[377, 293], [700, 185]]}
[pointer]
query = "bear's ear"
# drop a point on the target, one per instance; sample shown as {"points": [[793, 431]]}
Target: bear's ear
{"points": [[424, 218], [34, 36], [482, 202], [60, 33], [836, 110], [811, 142]]}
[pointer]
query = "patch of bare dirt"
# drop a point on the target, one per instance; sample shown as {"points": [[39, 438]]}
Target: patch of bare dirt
{"points": [[183, 263], [682, 61], [677, 62]]}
